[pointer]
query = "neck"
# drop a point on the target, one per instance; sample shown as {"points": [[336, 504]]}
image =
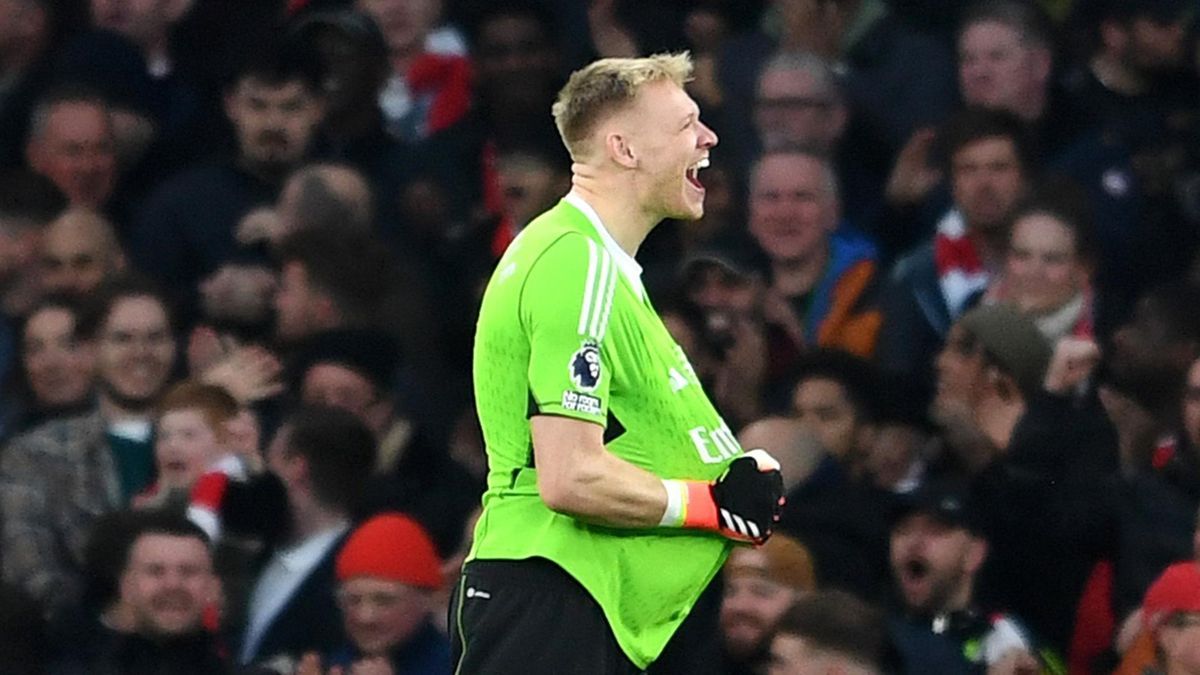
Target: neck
{"points": [[991, 244], [798, 276], [625, 221], [1116, 76], [313, 518]]}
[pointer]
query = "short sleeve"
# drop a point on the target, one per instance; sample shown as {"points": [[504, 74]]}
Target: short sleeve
{"points": [[565, 306]]}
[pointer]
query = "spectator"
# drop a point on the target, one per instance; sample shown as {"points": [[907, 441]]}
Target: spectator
{"points": [[148, 25], [836, 512], [58, 361], [355, 370], [937, 550], [186, 229], [829, 631], [989, 167], [27, 204], [760, 585], [821, 283], [425, 91], [322, 456], [992, 365], [517, 72], [329, 280], [1172, 611], [388, 572], [79, 252], [328, 196], [95, 462], [113, 68], [199, 428], [154, 622], [1135, 78], [1006, 55], [896, 79], [27, 47], [799, 103], [71, 142], [1050, 263], [899, 452], [355, 57]]}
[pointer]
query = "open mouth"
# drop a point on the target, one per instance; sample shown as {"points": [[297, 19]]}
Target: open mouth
{"points": [[915, 570], [693, 173]]}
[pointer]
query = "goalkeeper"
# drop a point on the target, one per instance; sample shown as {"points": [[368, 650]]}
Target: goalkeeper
{"points": [[615, 489]]}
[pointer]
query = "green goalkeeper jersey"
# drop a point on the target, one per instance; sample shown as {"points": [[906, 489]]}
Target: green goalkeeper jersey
{"points": [[566, 329]]}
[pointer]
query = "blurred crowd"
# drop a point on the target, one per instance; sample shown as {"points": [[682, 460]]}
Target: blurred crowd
{"points": [[947, 274]]}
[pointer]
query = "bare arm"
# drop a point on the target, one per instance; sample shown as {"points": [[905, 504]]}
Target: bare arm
{"points": [[579, 477]]}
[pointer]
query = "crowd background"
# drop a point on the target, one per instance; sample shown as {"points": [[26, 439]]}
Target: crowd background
{"points": [[947, 274]]}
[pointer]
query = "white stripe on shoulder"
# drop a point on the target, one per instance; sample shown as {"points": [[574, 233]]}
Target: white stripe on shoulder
{"points": [[608, 300], [584, 311], [607, 277]]}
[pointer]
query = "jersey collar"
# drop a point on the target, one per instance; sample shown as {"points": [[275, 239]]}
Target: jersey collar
{"points": [[627, 264]]}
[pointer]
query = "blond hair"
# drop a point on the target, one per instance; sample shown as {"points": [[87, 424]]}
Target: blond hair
{"points": [[608, 85]]}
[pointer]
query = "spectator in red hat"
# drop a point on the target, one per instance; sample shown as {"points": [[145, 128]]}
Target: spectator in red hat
{"points": [[387, 574], [1171, 611]]}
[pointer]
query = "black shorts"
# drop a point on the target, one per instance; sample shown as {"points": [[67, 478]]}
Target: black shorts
{"points": [[529, 617]]}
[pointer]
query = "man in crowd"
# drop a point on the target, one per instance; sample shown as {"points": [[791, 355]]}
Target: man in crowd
{"points": [[79, 252], [186, 229], [760, 585], [71, 142], [830, 632], [937, 551], [388, 573], [153, 619], [97, 461], [988, 163], [322, 456]]}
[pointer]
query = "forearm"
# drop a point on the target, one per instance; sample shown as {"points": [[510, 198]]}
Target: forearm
{"points": [[607, 490]]}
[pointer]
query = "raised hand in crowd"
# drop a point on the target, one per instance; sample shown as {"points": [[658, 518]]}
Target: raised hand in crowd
{"points": [[1072, 364], [249, 372], [914, 174]]}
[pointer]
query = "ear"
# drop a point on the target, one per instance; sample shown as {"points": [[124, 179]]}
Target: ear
{"points": [[620, 151]]}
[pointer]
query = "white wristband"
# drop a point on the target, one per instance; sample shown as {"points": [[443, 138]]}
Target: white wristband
{"points": [[676, 503]]}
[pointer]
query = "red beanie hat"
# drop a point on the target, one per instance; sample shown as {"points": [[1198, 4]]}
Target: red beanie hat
{"points": [[394, 547], [1177, 589]]}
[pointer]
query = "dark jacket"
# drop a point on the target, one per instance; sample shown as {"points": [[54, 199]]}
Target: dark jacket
{"points": [[310, 620], [109, 652], [427, 652]]}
